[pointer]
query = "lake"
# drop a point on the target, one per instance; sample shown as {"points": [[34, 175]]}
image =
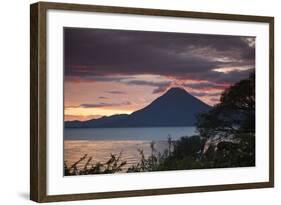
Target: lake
{"points": [[101, 142]]}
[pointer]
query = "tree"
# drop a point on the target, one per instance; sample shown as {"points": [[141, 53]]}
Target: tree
{"points": [[230, 127], [234, 114]]}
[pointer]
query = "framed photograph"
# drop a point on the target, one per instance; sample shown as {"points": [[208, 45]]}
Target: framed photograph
{"points": [[135, 102]]}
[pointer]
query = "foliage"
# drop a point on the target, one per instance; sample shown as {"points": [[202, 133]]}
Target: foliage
{"points": [[113, 165], [229, 127], [147, 164], [231, 154], [185, 155], [235, 114]]}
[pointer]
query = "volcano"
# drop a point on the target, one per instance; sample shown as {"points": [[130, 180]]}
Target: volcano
{"points": [[176, 107]]}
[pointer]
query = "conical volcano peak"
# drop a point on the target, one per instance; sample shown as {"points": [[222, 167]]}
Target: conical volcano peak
{"points": [[174, 91], [174, 108]]}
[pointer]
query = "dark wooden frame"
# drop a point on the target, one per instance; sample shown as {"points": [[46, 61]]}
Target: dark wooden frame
{"points": [[38, 101]]}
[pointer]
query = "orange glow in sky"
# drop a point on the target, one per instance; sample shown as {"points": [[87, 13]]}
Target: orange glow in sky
{"points": [[103, 99]]}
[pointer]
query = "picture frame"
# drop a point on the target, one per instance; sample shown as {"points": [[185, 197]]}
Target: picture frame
{"points": [[39, 100]]}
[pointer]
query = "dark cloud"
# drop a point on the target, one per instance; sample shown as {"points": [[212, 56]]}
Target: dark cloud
{"points": [[230, 77], [160, 86], [218, 77], [102, 97], [94, 77], [205, 94], [103, 104], [92, 54], [149, 83], [116, 92], [204, 85]]}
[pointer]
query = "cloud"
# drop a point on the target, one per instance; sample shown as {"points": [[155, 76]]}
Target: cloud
{"points": [[99, 105], [160, 89], [99, 54], [102, 97], [149, 83], [205, 85], [116, 92], [160, 86], [102, 104], [94, 77], [214, 100], [218, 77], [81, 117], [205, 94]]}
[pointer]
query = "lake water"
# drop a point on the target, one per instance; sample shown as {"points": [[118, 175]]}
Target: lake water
{"points": [[99, 143]]}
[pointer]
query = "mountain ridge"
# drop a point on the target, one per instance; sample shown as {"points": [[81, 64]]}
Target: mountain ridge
{"points": [[176, 107]]}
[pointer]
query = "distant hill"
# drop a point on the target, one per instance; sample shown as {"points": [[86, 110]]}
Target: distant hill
{"points": [[174, 108], [100, 122]]}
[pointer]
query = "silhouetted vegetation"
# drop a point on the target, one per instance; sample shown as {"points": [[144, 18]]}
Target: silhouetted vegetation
{"points": [[229, 128], [113, 165], [235, 114], [226, 138]]}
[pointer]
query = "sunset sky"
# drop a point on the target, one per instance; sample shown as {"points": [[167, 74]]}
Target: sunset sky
{"points": [[112, 71]]}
